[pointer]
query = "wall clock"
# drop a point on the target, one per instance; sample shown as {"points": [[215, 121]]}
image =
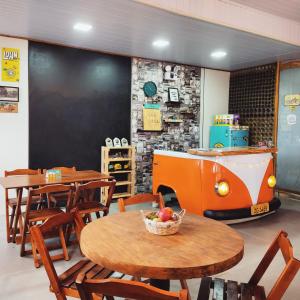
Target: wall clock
{"points": [[150, 88]]}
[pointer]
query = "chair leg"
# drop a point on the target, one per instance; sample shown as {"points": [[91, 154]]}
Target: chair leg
{"points": [[97, 214], [8, 226], [18, 213], [63, 244], [36, 260], [21, 224], [11, 223], [185, 286], [23, 240]]}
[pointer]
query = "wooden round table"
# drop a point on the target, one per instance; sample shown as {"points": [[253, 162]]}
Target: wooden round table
{"points": [[201, 247]]}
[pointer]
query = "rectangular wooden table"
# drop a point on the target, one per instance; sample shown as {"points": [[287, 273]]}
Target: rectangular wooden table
{"points": [[27, 181]]}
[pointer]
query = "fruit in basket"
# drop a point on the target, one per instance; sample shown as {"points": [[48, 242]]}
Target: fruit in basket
{"points": [[165, 214], [152, 216]]}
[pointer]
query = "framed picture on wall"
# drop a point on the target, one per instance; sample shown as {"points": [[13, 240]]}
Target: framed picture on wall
{"points": [[9, 94], [173, 95]]}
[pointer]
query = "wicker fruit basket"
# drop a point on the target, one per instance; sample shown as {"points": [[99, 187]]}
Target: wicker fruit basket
{"points": [[163, 228]]}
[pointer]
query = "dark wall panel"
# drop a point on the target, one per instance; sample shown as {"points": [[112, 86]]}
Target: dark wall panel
{"points": [[76, 99]]}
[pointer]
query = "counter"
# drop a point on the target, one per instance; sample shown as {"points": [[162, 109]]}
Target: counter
{"points": [[222, 183]]}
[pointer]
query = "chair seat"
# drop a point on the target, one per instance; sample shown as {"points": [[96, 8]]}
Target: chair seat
{"points": [[92, 271], [43, 214], [91, 206], [230, 290], [13, 201]]}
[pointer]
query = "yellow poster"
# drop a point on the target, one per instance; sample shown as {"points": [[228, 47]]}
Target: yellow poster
{"points": [[10, 64], [152, 119]]}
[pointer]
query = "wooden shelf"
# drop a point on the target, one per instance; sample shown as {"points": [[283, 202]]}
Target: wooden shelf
{"points": [[119, 159], [173, 103], [142, 130], [173, 121], [121, 172], [121, 195], [116, 148], [123, 183]]}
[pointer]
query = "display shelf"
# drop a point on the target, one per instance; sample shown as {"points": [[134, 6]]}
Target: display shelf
{"points": [[123, 183], [142, 130], [175, 103], [119, 159], [173, 121], [120, 172], [121, 195], [125, 179]]}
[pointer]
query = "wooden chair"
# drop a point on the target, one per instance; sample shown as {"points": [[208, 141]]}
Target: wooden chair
{"points": [[31, 217], [11, 203], [59, 199], [87, 200], [123, 288], [141, 198], [63, 285], [231, 290]]}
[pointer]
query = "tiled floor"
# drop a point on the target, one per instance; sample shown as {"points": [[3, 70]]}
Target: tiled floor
{"points": [[20, 280]]}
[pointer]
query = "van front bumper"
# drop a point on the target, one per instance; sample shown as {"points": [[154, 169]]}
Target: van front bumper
{"points": [[240, 213]]}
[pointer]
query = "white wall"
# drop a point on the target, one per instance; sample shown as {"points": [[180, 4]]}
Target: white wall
{"points": [[14, 126], [214, 100]]}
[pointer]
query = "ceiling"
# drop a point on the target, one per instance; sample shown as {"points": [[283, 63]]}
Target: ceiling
{"points": [[129, 28], [289, 9]]}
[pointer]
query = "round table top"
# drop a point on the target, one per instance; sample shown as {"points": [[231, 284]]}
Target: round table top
{"points": [[201, 247]]}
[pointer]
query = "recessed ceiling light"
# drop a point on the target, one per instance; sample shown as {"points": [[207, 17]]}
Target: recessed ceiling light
{"points": [[160, 43], [218, 54], [82, 27]]}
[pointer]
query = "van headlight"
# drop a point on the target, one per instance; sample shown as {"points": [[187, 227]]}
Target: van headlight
{"points": [[271, 181], [222, 188]]}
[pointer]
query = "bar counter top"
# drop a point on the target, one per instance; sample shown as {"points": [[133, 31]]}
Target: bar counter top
{"points": [[231, 151]]}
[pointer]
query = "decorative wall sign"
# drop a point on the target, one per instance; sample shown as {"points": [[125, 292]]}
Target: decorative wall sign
{"points": [[292, 100], [9, 94], [11, 64], [173, 136], [152, 119], [8, 107], [117, 142], [173, 95]]}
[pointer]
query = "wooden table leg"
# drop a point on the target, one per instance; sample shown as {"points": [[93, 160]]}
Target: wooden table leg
{"points": [[8, 229], [18, 212], [161, 284]]}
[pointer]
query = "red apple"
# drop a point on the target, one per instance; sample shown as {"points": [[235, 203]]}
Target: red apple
{"points": [[165, 214]]}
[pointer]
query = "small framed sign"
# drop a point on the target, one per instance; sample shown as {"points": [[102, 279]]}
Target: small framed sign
{"points": [[173, 95], [9, 94], [292, 100]]}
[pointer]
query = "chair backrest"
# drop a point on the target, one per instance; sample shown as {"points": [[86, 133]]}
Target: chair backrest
{"points": [[64, 170], [49, 189], [87, 190], [37, 233], [22, 172], [124, 289], [141, 198], [281, 242]]}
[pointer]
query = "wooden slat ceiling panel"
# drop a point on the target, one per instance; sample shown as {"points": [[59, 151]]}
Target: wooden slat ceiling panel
{"points": [[127, 27]]}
